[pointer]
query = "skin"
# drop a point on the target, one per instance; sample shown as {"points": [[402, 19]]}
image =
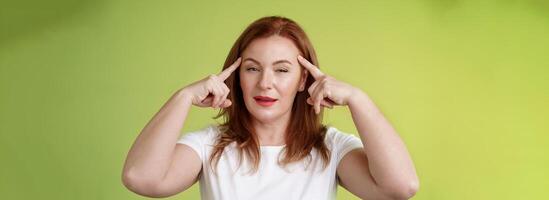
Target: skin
{"points": [[158, 167], [382, 169], [270, 68]]}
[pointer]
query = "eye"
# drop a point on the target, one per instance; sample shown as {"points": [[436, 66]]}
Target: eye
{"points": [[282, 70], [252, 69]]}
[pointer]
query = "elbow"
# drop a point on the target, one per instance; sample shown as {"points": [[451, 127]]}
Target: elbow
{"points": [[131, 182], [408, 190], [141, 185], [405, 190], [411, 190]]}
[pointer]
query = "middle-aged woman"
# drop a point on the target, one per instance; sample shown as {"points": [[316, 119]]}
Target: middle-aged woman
{"points": [[272, 144]]}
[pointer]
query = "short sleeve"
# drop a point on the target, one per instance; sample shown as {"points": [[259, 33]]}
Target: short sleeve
{"points": [[196, 140], [344, 142]]}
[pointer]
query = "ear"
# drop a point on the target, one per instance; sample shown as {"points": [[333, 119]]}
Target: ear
{"points": [[303, 80]]}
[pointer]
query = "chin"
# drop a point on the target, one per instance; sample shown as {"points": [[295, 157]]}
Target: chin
{"points": [[264, 116]]}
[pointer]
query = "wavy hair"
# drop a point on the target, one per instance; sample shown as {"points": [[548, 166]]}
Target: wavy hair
{"points": [[305, 131]]}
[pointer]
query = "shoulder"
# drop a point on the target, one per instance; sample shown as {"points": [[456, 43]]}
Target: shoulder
{"points": [[341, 142], [335, 136], [205, 135], [200, 140]]}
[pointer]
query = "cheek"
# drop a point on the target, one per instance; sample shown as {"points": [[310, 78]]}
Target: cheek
{"points": [[287, 89], [246, 84], [289, 83]]}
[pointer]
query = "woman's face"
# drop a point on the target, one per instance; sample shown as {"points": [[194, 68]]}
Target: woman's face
{"points": [[270, 77]]}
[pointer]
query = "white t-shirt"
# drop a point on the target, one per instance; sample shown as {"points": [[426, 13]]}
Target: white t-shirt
{"points": [[271, 181]]}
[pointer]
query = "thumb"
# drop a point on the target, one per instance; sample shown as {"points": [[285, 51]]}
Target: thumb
{"points": [[310, 101], [226, 103]]}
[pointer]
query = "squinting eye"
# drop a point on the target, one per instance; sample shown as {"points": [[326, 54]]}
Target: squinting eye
{"points": [[252, 69], [282, 70]]}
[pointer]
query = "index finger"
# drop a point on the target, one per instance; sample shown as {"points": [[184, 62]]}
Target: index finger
{"points": [[315, 72], [227, 72]]}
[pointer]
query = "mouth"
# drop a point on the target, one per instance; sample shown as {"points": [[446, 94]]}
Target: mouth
{"points": [[265, 100]]}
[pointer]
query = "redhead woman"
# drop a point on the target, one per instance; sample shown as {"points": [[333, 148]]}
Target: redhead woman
{"points": [[272, 143]]}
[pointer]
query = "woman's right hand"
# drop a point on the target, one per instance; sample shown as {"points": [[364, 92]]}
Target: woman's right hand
{"points": [[212, 91]]}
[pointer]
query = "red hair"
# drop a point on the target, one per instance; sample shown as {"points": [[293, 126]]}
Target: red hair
{"points": [[305, 131]]}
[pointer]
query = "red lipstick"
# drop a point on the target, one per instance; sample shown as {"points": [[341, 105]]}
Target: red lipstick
{"points": [[265, 100]]}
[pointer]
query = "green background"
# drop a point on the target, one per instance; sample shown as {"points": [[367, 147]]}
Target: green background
{"points": [[464, 82]]}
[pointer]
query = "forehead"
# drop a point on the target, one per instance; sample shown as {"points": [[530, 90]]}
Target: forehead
{"points": [[273, 48]]}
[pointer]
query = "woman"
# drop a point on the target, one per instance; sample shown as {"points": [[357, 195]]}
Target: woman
{"points": [[272, 144]]}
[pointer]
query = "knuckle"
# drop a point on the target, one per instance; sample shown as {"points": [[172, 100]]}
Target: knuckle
{"points": [[317, 98], [210, 82], [322, 77], [212, 77], [310, 90], [325, 80], [211, 86]]}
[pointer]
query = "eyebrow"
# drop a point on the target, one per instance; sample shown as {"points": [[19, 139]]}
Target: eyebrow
{"points": [[274, 63]]}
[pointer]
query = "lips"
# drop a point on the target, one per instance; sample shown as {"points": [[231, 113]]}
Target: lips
{"points": [[265, 100]]}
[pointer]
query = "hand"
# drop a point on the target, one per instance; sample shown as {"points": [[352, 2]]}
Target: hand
{"points": [[212, 91], [326, 91]]}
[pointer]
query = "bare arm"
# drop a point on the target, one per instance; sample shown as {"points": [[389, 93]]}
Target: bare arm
{"points": [[383, 169], [384, 161], [152, 153], [156, 166]]}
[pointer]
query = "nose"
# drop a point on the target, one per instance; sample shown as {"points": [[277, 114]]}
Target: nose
{"points": [[266, 81]]}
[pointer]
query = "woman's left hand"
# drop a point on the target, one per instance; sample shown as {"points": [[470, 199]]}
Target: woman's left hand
{"points": [[326, 91]]}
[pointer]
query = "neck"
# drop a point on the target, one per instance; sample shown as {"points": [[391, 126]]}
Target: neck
{"points": [[272, 133]]}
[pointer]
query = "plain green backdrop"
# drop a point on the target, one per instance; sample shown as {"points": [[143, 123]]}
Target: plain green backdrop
{"points": [[464, 82]]}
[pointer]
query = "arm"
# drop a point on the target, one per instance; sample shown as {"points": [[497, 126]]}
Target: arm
{"points": [[156, 166], [383, 169]]}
